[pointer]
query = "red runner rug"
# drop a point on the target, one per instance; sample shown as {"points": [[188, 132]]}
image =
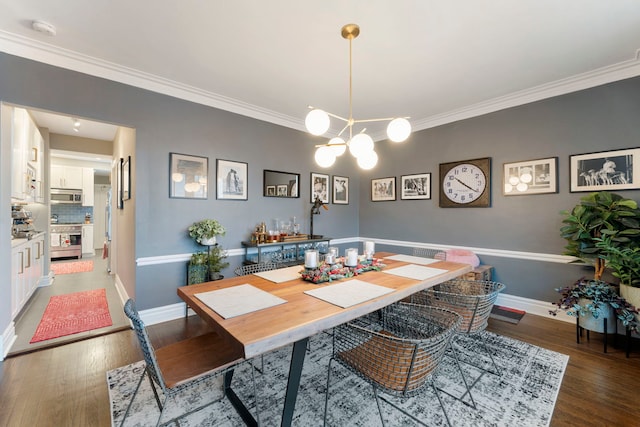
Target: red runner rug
{"points": [[72, 267], [72, 313]]}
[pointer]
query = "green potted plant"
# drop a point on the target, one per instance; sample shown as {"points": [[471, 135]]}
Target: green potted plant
{"points": [[217, 262], [205, 231], [198, 268], [594, 300], [624, 263], [599, 214]]}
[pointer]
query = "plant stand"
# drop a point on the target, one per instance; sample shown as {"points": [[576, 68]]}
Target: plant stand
{"points": [[605, 329]]}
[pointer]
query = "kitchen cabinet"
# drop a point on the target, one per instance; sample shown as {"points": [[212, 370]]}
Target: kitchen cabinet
{"points": [[87, 239], [26, 158], [66, 177], [27, 269], [87, 187]]}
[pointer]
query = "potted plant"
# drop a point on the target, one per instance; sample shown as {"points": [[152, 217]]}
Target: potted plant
{"points": [[594, 300], [205, 231], [198, 268], [599, 214], [624, 263], [217, 262]]}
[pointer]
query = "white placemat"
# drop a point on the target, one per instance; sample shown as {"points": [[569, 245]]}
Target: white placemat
{"points": [[348, 293], [413, 259], [416, 272], [281, 274], [238, 300]]}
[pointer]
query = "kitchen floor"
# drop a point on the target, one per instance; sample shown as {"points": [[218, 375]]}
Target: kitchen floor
{"points": [[28, 320]]}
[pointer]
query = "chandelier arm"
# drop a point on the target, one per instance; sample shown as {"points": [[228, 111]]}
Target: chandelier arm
{"points": [[337, 117], [379, 120], [344, 128]]}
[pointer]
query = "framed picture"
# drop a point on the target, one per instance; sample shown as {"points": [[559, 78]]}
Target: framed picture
{"points": [[188, 176], [530, 177], [119, 201], [319, 187], [416, 187], [340, 190], [606, 170], [126, 178], [232, 180], [383, 189], [271, 190], [282, 190]]}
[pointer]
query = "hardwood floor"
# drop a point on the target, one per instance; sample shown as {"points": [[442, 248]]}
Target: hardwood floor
{"points": [[66, 386]]}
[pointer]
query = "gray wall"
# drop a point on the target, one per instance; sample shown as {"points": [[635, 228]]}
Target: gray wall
{"points": [[592, 120], [602, 118]]}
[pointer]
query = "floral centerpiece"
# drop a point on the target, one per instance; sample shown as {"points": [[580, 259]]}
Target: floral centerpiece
{"points": [[329, 272]]}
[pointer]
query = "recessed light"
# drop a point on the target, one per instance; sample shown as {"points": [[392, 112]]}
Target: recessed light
{"points": [[43, 27]]}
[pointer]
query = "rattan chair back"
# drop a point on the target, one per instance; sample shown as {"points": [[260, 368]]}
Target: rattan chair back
{"points": [[244, 270], [430, 253], [398, 348], [471, 299]]}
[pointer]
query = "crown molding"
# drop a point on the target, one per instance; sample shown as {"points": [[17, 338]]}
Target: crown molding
{"points": [[42, 52]]}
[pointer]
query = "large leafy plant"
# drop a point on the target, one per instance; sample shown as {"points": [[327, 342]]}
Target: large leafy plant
{"points": [[600, 214], [623, 261], [206, 229]]}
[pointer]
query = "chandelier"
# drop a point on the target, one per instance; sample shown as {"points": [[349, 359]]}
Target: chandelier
{"points": [[361, 145]]}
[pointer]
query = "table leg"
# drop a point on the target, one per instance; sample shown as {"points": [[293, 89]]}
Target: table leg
{"points": [[295, 372], [244, 413]]}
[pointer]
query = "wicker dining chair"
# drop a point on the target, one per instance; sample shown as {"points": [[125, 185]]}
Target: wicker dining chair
{"points": [[184, 364], [396, 349], [471, 299], [244, 270], [430, 253]]}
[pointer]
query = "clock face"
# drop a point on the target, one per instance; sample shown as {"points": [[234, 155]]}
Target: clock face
{"points": [[465, 183]]}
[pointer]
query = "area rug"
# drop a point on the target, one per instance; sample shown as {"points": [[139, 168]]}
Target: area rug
{"points": [[507, 314], [72, 267], [523, 395], [72, 313]]}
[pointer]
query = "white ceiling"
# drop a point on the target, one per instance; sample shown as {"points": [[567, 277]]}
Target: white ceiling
{"points": [[436, 61]]}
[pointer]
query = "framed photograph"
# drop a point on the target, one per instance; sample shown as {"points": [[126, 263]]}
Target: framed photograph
{"points": [[606, 170], [232, 180], [383, 189], [319, 187], [282, 190], [340, 190], [271, 190], [188, 176], [126, 178], [119, 201], [538, 176], [416, 187]]}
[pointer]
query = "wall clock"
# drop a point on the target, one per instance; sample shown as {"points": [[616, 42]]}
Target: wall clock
{"points": [[466, 183]]}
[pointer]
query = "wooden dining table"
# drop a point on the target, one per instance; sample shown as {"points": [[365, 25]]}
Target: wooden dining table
{"points": [[301, 317]]}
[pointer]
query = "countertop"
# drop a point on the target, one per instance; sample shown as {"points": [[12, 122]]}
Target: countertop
{"points": [[17, 242]]}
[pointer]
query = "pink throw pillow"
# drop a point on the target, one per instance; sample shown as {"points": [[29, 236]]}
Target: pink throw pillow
{"points": [[463, 256]]}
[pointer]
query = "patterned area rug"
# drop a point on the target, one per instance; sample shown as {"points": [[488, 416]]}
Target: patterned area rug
{"points": [[72, 267], [72, 313], [523, 395]]}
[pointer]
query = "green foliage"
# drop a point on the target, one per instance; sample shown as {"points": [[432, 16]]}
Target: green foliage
{"points": [[589, 296], [206, 229], [600, 214], [624, 261], [216, 259]]}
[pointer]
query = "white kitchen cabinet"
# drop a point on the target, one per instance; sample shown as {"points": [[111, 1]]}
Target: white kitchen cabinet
{"points": [[87, 239], [27, 269], [87, 187], [19, 146], [66, 177], [17, 279]]}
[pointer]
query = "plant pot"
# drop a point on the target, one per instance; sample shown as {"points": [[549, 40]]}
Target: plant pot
{"points": [[631, 294], [215, 275], [197, 274], [597, 324], [208, 242]]}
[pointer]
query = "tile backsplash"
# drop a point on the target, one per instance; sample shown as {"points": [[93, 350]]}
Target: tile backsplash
{"points": [[71, 213]]}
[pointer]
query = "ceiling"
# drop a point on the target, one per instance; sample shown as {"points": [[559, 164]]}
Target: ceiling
{"points": [[435, 61]]}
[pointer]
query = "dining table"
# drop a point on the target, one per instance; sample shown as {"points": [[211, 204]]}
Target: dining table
{"points": [[299, 312]]}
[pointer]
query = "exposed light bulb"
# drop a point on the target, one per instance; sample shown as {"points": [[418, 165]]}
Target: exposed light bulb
{"points": [[360, 144], [325, 156], [398, 130], [317, 122]]}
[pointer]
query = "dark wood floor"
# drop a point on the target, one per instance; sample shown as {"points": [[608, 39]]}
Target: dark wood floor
{"points": [[66, 386]]}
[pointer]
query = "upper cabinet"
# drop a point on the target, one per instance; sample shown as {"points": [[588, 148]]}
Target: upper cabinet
{"points": [[26, 161], [66, 177], [87, 187]]}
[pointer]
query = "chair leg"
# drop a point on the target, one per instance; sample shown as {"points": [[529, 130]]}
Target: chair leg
{"points": [[464, 379], [496, 370], [133, 397], [375, 394], [413, 417], [326, 396]]}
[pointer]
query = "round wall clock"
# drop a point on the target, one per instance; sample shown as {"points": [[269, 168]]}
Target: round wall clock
{"points": [[465, 183]]}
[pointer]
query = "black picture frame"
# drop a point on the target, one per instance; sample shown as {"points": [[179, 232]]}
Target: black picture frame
{"points": [[119, 200], [527, 177], [188, 176], [383, 189], [232, 180], [319, 187], [340, 190], [605, 170], [126, 178], [415, 186]]}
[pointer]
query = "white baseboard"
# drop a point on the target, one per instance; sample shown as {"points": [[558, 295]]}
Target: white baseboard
{"points": [[7, 339]]}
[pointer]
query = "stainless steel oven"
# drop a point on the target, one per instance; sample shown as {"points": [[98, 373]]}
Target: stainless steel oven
{"points": [[66, 241]]}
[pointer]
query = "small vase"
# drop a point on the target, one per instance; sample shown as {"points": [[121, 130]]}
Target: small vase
{"points": [[208, 242], [197, 274]]}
